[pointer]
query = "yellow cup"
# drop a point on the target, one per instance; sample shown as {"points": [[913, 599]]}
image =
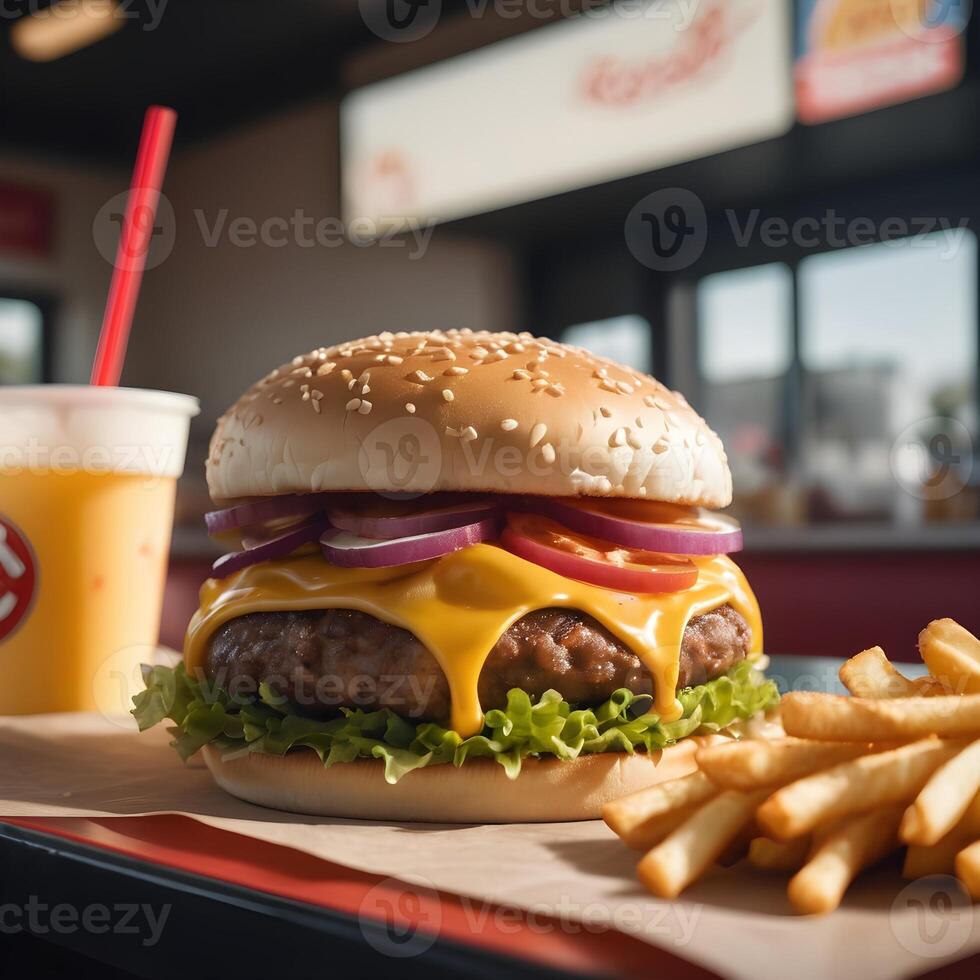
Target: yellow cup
{"points": [[87, 484]]}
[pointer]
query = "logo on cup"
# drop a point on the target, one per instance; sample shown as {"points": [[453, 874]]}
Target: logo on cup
{"points": [[667, 230], [401, 918], [402, 456], [18, 578], [400, 20], [932, 917], [108, 226]]}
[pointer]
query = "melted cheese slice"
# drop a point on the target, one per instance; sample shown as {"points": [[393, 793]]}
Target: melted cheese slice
{"points": [[459, 605]]}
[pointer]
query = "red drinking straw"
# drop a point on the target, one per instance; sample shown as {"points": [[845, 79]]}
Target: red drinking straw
{"points": [[134, 243]]}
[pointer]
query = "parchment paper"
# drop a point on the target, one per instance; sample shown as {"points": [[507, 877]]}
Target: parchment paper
{"points": [[736, 922]]}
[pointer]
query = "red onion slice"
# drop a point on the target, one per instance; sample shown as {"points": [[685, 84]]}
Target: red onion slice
{"points": [[280, 547], [353, 551], [705, 533], [264, 510], [404, 523]]}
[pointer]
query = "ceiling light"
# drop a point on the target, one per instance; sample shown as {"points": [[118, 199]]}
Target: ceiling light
{"points": [[64, 27]]}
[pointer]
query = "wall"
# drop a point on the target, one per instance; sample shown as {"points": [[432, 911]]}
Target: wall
{"points": [[215, 318], [75, 274]]}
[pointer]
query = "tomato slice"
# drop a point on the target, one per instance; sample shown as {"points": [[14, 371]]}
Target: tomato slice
{"points": [[577, 556]]}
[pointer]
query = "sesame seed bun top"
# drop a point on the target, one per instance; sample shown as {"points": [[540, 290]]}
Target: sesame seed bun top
{"points": [[460, 410]]}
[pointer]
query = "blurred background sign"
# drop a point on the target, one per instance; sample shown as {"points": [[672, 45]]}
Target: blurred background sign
{"points": [[856, 55], [615, 91], [26, 220]]}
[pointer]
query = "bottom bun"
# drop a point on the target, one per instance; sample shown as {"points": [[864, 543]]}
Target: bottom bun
{"points": [[477, 792]]}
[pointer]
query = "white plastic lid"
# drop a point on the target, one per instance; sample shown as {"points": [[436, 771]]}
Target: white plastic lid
{"points": [[67, 428]]}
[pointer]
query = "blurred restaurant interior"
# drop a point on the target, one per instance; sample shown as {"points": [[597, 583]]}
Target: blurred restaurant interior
{"points": [[498, 167]]}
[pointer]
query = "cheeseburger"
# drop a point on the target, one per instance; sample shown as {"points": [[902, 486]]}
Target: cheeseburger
{"points": [[476, 577]]}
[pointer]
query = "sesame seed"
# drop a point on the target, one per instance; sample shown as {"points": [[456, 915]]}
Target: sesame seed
{"points": [[316, 406], [521, 375], [324, 369], [364, 407], [395, 359], [661, 446], [649, 401], [297, 360], [639, 422], [604, 412], [618, 438], [500, 355], [479, 354], [624, 387], [419, 377], [538, 432], [346, 375], [607, 385], [455, 372], [508, 425], [555, 390], [539, 383], [662, 404], [548, 452], [365, 389], [443, 354], [410, 408], [351, 383], [276, 400], [354, 404], [633, 440], [447, 395], [468, 434], [450, 431], [316, 395]]}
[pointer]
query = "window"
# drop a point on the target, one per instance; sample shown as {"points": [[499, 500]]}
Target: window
{"points": [[745, 350], [846, 389], [627, 339], [21, 342], [888, 343]]}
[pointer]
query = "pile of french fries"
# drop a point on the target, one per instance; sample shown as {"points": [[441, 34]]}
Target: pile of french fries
{"points": [[854, 780]]}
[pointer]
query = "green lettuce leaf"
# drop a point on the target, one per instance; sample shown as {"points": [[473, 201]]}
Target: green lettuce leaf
{"points": [[205, 715]]}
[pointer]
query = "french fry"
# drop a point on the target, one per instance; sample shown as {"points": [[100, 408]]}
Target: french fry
{"points": [[653, 831], [952, 654], [944, 799], [931, 687], [820, 885], [833, 718], [775, 855], [626, 816], [968, 869], [753, 764], [687, 853], [862, 784], [870, 674], [939, 859]]}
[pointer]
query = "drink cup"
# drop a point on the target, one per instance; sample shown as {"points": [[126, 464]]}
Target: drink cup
{"points": [[88, 479]]}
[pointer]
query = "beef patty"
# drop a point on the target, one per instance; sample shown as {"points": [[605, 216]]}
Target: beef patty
{"points": [[324, 659]]}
